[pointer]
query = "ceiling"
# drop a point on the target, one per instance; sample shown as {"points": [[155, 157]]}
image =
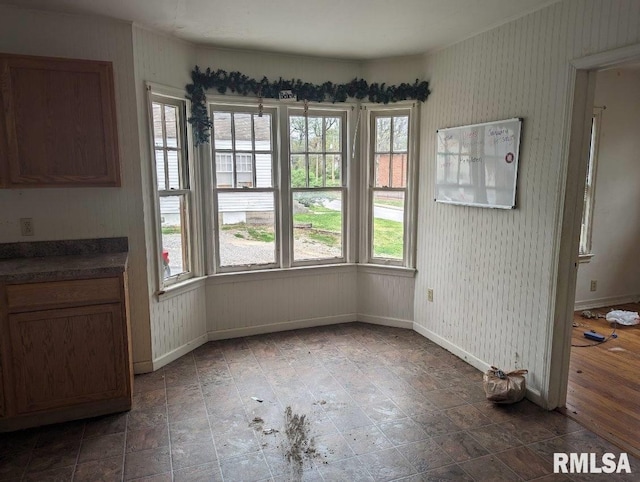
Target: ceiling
{"points": [[351, 29]]}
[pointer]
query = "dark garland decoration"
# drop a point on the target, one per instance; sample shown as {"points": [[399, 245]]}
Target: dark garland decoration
{"points": [[244, 85]]}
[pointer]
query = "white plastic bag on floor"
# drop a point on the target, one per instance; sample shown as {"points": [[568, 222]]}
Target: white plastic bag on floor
{"points": [[621, 317]]}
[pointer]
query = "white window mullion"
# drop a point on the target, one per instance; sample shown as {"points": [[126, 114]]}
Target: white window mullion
{"points": [[284, 174]]}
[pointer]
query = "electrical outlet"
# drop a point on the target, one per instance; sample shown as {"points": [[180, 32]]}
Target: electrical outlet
{"points": [[594, 285], [429, 294], [26, 226]]}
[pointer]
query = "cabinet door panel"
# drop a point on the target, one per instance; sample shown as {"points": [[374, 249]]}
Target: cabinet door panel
{"points": [[60, 122], [66, 357]]}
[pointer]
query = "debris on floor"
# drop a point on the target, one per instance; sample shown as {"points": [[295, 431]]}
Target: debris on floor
{"points": [[256, 423], [299, 443], [590, 315]]}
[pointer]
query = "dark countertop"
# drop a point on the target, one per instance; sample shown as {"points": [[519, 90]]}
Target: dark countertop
{"points": [[46, 261]]}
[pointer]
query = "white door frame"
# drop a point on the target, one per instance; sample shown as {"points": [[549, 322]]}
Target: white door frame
{"points": [[581, 88]]}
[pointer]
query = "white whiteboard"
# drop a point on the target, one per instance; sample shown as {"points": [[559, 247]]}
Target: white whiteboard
{"points": [[477, 165]]}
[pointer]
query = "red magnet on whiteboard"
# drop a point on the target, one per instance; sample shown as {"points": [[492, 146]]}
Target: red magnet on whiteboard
{"points": [[509, 157]]}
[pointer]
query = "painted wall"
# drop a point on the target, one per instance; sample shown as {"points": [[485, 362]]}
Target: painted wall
{"points": [[274, 66], [616, 217], [76, 213], [493, 271]]}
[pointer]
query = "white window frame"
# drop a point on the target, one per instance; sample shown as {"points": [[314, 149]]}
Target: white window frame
{"points": [[281, 185], [216, 106], [586, 227], [371, 112], [343, 114], [169, 96]]}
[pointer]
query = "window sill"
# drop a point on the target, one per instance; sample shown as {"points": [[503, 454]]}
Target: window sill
{"points": [[180, 288], [585, 258], [316, 270], [388, 270], [279, 273]]}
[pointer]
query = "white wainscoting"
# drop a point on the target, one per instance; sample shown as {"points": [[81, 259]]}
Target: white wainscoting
{"points": [[252, 303]]}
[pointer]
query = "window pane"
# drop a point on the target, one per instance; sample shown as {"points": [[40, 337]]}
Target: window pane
{"points": [[333, 137], [315, 134], [244, 162], [317, 225], [242, 129], [264, 170], [246, 228], [400, 133], [333, 169], [298, 171], [174, 173], [388, 225], [171, 125], [382, 170], [316, 170], [157, 125], [244, 170], [383, 134], [262, 128], [222, 130], [297, 134], [398, 170], [160, 169], [174, 235]]}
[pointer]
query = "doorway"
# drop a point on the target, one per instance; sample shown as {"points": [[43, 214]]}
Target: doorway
{"points": [[599, 383]]}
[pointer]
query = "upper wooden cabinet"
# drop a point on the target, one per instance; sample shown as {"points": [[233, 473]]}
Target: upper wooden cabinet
{"points": [[58, 127]]}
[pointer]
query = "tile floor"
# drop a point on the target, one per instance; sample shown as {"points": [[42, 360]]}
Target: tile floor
{"points": [[379, 404]]}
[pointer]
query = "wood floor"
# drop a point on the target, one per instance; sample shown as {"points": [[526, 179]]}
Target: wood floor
{"points": [[604, 380]]}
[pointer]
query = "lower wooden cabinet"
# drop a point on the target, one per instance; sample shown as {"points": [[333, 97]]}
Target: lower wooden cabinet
{"points": [[70, 360]]}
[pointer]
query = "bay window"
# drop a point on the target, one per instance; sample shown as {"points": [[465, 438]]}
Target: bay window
{"points": [[280, 190]]}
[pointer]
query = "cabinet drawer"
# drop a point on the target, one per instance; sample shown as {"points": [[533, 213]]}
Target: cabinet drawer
{"points": [[32, 296]]}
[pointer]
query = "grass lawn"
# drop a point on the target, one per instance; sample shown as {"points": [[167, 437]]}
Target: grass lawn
{"points": [[398, 203], [171, 230], [387, 239], [326, 228], [387, 234], [254, 233]]}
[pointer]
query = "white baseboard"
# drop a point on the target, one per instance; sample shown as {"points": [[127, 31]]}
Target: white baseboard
{"points": [[385, 321], [532, 394], [610, 301], [180, 351], [142, 367], [288, 325], [455, 349]]}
